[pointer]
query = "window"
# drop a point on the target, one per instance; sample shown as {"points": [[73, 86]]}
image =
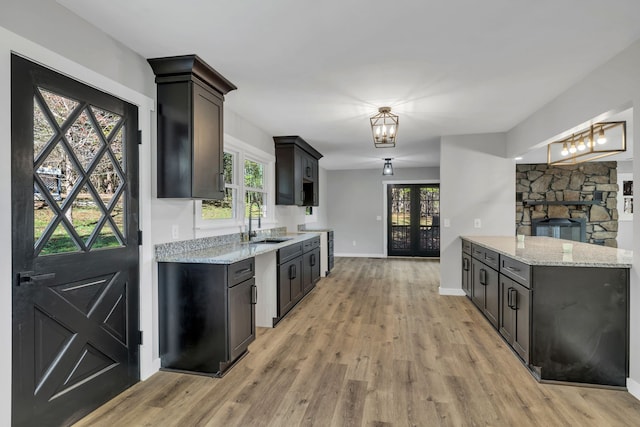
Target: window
{"points": [[247, 176], [225, 208]]}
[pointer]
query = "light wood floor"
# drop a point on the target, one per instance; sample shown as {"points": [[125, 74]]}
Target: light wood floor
{"points": [[373, 345]]}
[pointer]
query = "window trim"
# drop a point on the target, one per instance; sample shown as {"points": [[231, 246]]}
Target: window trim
{"points": [[242, 151]]}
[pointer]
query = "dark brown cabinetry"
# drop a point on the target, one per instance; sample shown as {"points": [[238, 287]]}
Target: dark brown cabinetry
{"points": [[515, 301], [466, 268], [190, 132], [289, 278], [206, 315], [329, 251], [310, 264], [568, 323], [297, 180]]}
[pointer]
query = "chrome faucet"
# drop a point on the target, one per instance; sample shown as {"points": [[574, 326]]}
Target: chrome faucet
{"points": [[253, 233]]}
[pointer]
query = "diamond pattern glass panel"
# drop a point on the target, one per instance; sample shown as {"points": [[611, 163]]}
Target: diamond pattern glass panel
{"points": [[105, 179], [43, 215], [84, 213], [84, 139], [61, 172], [117, 214], [117, 148], [60, 242], [107, 238], [42, 130], [107, 120], [60, 106]]}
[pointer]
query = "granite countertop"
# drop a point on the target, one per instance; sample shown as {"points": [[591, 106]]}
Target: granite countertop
{"points": [[549, 251], [231, 252]]}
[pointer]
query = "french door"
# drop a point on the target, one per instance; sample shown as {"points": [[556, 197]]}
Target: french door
{"points": [[75, 246], [413, 214]]}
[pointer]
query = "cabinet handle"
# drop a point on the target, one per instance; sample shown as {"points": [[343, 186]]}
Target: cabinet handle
{"points": [[308, 171], [513, 294], [254, 294], [509, 303], [244, 270], [490, 258], [292, 271], [465, 264], [313, 259], [506, 267], [483, 276]]}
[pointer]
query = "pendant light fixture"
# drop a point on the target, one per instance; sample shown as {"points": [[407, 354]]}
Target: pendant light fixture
{"points": [[387, 169], [597, 141], [384, 126]]}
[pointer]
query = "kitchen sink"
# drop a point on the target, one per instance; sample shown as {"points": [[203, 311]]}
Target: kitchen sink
{"points": [[271, 240]]}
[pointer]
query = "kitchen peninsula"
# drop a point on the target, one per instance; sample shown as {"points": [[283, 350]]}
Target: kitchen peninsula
{"points": [[563, 306]]}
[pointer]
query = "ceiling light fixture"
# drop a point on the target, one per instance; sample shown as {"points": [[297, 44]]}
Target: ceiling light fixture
{"points": [[387, 169], [566, 152], [384, 126]]}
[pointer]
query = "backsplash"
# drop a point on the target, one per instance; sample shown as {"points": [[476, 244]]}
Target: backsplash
{"points": [[576, 183], [172, 248]]}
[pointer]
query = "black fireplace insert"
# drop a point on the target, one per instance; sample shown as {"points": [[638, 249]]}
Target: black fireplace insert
{"points": [[560, 228]]}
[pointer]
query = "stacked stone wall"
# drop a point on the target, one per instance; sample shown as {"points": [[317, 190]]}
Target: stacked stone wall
{"points": [[576, 183]]}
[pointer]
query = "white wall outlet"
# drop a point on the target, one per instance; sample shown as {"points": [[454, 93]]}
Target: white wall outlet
{"points": [[378, 218], [353, 243], [477, 223], [175, 231], [447, 223]]}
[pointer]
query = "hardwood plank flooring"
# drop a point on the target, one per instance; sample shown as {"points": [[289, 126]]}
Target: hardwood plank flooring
{"points": [[373, 345]]}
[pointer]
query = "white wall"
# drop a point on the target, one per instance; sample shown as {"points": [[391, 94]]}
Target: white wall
{"points": [[477, 182], [355, 201], [612, 87]]}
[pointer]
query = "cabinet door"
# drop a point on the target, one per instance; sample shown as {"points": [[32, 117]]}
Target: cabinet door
{"points": [[477, 288], [521, 300], [514, 315], [242, 316], [208, 182], [315, 266], [492, 296], [466, 274], [289, 285], [507, 318], [307, 279]]}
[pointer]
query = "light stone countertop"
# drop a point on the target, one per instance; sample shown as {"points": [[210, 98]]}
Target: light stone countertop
{"points": [[232, 252], [548, 251]]}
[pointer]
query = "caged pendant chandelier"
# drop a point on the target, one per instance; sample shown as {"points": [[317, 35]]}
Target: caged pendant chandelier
{"points": [[384, 126], [595, 142]]}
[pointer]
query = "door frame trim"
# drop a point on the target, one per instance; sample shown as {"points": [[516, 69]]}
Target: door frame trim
{"points": [[13, 43], [385, 213]]}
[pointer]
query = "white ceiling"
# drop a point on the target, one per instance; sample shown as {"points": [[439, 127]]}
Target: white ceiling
{"points": [[321, 69]]}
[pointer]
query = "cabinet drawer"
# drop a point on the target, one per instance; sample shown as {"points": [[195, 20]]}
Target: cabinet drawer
{"points": [[487, 256], [240, 271], [310, 244], [466, 247], [518, 271], [289, 252]]}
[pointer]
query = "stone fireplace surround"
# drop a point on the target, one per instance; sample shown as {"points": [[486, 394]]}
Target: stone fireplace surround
{"points": [[572, 184]]}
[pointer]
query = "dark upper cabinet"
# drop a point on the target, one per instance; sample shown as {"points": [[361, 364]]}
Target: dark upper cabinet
{"points": [[297, 179], [190, 132]]}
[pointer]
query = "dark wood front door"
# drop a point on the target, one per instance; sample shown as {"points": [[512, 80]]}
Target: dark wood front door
{"points": [[413, 214], [75, 246]]}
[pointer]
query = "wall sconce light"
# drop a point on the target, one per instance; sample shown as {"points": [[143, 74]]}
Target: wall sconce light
{"points": [[597, 141], [387, 169], [384, 126]]}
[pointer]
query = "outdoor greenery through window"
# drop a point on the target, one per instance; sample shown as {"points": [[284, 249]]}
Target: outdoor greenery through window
{"points": [[245, 182], [223, 209]]}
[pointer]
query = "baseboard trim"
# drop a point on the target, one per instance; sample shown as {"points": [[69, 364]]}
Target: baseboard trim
{"points": [[634, 388], [451, 291]]}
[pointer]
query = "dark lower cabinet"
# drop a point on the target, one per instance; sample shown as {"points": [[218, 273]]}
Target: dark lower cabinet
{"points": [[289, 285], [206, 315], [330, 251], [515, 312], [485, 290], [310, 269], [466, 274]]}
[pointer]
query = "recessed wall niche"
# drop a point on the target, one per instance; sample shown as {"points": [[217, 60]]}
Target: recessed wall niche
{"points": [[588, 190]]}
